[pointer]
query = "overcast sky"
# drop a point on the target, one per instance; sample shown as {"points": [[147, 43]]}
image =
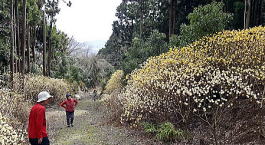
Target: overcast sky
{"points": [[88, 20]]}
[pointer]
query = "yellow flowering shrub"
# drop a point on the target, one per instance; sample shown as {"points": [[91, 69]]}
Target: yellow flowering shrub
{"points": [[56, 87], [15, 107], [214, 72], [115, 82], [13, 114], [110, 99], [8, 134]]}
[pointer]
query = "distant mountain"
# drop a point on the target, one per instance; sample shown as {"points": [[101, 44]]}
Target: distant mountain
{"points": [[94, 46]]}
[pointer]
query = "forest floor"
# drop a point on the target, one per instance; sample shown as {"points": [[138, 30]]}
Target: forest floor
{"points": [[90, 127]]}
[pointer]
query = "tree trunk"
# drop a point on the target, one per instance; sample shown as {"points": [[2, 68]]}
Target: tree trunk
{"points": [[44, 44], [257, 13], [247, 13], [15, 37], [172, 17], [2, 6], [141, 17], [23, 43], [12, 45], [28, 50], [50, 49], [18, 60], [263, 12], [33, 45]]}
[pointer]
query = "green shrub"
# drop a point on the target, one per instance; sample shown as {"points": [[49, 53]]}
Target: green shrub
{"points": [[165, 132], [168, 133], [149, 127]]}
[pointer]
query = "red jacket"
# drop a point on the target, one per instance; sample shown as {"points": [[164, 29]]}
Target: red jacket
{"points": [[37, 122], [69, 105]]}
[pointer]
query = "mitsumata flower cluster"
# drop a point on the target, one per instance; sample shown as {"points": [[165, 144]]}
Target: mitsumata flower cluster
{"points": [[208, 74]]}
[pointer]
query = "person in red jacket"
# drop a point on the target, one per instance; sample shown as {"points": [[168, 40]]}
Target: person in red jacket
{"points": [[37, 132], [69, 104]]}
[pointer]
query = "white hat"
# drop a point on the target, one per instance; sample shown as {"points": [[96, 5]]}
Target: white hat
{"points": [[44, 95]]}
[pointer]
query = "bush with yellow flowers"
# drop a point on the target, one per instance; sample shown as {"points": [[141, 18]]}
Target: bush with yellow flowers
{"points": [[56, 87], [13, 114], [8, 134], [15, 105], [110, 99], [115, 82], [200, 80]]}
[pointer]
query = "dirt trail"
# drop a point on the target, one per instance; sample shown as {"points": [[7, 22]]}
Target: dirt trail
{"points": [[88, 128]]}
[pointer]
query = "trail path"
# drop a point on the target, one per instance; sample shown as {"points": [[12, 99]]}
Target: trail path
{"points": [[89, 127]]}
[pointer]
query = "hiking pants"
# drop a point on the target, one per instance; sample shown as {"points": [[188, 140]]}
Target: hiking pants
{"points": [[34, 141], [69, 118]]}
